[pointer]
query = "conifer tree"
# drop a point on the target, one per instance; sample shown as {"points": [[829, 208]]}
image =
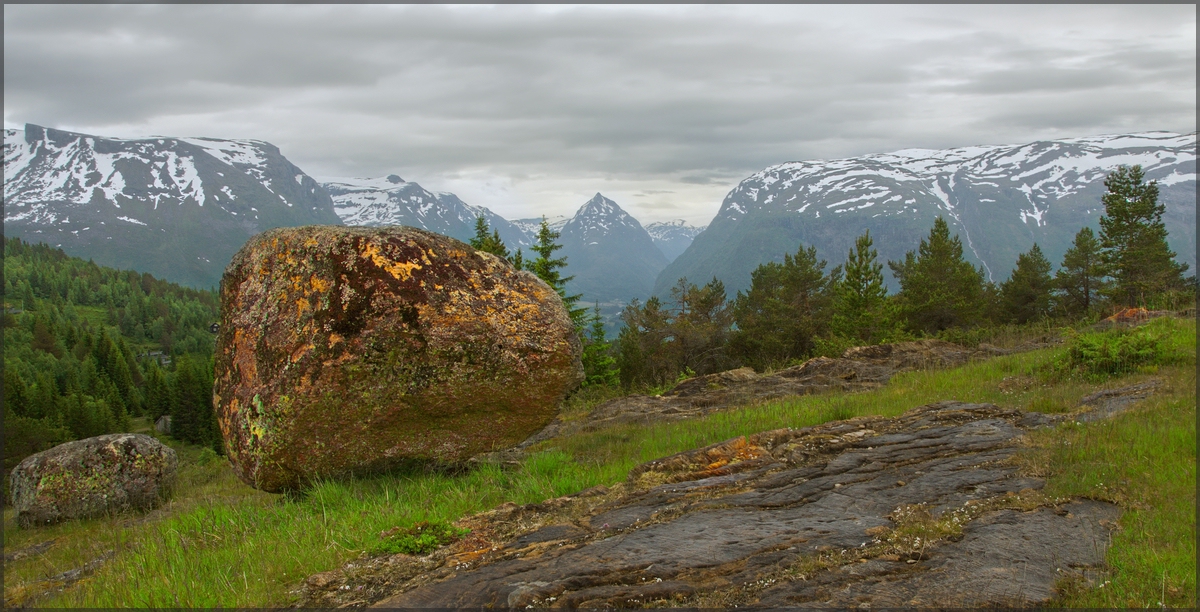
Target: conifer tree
{"points": [[1080, 279], [861, 309], [547, 267], [599, 366], [642, 348], [488, 243], [938, 288], [786, 308], [700, 327], [1025, 296], [1133, 239]]}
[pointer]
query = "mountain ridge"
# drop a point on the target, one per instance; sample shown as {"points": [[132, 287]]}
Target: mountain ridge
{"points": [[999, 198]]}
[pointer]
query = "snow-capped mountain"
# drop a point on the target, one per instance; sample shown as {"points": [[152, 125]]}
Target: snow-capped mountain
{"points": [[532, 225], [175, 207], [393, 201], [673, 237], [999, 199], [609, 253]]}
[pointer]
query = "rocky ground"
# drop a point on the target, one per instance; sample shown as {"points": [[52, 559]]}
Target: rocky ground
{"points": [[859, 368], [925, 509]]}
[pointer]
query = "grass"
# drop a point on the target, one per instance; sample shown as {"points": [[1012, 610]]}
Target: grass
{"points": [[221, 543]]}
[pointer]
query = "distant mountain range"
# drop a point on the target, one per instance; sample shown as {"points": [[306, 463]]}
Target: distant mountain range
{"points": [[178, 208], [998, 199]]}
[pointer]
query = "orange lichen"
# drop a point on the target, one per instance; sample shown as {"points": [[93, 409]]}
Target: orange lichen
{"points": [[400, 270]]}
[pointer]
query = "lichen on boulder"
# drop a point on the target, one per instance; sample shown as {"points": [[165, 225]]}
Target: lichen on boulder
{"points": [[92, 477], [348, 349]]}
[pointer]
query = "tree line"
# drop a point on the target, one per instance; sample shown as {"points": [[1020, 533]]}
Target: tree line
{"points": [[796, 309], [88, 348]]}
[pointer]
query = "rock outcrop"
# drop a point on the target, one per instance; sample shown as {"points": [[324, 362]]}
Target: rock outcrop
{"points": [[92, 477], [350, 349], [925, 509], [859, 368]]}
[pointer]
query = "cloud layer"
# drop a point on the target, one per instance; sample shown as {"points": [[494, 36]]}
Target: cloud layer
{"points": [[534, 109]]}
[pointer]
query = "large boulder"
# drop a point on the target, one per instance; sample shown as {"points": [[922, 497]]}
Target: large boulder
{"points": [[350, 349], [92, 477]]}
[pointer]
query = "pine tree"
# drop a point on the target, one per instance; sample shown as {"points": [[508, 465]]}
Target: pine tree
{"points": [[599, 366], [700, 327], [938, 288], [547, 267], [518, 261], [643, 352], [861, 309], [1080, 280], [1025, 296], [785, 310], [1133, 239], [488, 243]]}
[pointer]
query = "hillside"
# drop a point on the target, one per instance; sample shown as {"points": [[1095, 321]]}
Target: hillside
{"points": [[88, 348], [177, 208], [998, 199]]}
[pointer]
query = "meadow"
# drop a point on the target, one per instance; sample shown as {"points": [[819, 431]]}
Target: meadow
{"points": [[220, 543]]}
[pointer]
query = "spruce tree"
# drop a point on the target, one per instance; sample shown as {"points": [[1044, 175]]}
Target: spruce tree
{"points": [[938, 288], [1133, 239], [547, 267], [861, 309], [599, 366], [1080, 279], [1025, 296], [488, 243]]}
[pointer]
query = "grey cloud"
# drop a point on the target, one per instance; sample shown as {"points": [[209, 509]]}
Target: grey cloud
{"points": [[703, 95]]}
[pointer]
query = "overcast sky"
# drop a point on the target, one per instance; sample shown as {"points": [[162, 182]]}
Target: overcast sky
{"points": [[531, 110]]}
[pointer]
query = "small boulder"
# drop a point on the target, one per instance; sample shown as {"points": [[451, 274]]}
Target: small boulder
{"points": [[351, 349], [92, 477]]}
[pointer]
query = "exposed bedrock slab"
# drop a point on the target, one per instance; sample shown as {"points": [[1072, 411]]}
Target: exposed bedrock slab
{"points": [[922, 509], [348, 349], [858, 369]]}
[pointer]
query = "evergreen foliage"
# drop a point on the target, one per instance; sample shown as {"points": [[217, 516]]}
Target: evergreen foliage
{"points": [[599, 366], [488, 243], [786, 309], [547, 268], [1025, 296], [77, 339], [861, 309], [658, 344], [1133, 239], [1079, 281], [939, 289]]}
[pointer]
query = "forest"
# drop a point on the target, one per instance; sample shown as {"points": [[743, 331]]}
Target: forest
{"points": [[87, 348]]}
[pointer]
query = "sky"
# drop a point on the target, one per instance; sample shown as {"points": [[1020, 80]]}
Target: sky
{"points": [[530, 110]]}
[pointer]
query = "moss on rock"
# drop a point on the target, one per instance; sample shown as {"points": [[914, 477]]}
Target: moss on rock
{"points": [[92, 477]]}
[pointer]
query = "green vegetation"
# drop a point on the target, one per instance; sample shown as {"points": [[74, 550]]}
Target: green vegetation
{"points": [[1096, 355], [420, 539], [489, 243], [219, 542], [1133, 240], [83, 348]]}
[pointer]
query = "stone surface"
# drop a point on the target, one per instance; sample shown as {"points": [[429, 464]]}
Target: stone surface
{"points": [[921, 509], [859, 368], [350, 349], [92, 477]]}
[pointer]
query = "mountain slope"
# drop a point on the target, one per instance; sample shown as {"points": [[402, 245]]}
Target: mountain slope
{"points": [[394, 201], [178, 208], [609, 253], [998, 199], [673, 237]]}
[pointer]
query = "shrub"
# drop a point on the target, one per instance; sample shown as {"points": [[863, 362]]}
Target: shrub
{"points": [[1120, 350], [420, 539]]}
